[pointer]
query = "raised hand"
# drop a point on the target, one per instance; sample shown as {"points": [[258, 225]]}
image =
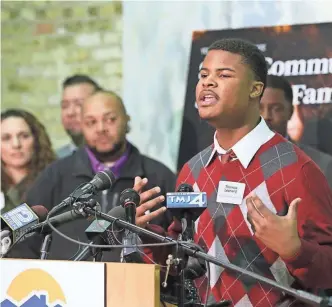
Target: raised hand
{"points": [[149, 200]]}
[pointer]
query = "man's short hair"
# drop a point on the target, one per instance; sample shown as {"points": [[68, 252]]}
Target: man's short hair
{"points": [[280, 83], [80, 79], [115, 95], [250, 53]]}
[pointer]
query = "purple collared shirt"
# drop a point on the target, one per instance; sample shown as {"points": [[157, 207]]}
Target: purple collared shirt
{"points": [[98, 166]]}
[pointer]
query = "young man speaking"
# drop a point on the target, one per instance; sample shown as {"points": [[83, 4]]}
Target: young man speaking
{"points": [[279, 222]]}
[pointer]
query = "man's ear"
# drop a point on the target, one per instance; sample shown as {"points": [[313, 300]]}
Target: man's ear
{"points": [[256, 89], [127, 125]]}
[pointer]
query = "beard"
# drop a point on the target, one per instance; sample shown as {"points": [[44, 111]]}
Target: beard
{"points": [[115, 152], [76, 137]]}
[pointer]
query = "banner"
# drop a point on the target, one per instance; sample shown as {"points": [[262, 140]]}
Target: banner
{"points": [[301, 53]]}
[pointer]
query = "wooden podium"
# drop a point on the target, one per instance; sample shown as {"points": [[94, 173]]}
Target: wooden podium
{"points": [[67, 283], [131, 284]]}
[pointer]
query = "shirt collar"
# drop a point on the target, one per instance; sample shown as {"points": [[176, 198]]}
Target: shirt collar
{"points": [[98, 166], [246, 148]]}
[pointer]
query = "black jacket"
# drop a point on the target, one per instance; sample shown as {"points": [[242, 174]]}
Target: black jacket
{"points": [[61, 178]]}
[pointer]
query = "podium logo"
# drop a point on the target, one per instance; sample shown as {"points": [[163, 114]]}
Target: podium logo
{"points": [[34, 288]]}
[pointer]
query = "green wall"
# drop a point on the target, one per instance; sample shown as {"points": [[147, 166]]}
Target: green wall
{"points": [[43, 42]]}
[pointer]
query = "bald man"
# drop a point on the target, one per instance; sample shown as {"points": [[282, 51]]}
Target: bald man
{"points": [[105, 124]]}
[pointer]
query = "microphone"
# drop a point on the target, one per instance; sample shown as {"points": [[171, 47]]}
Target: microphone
{"points": [[129, 200], [187, 230], [5, 242], [43, 227], [186, 203], [101, 181], [18, 221], [56, 221], [101, 231], [185, 187]]}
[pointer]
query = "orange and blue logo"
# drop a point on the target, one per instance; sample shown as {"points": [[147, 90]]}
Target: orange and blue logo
{"points": [[34, 288]]}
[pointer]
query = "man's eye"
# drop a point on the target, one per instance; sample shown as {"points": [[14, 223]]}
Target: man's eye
{"points": [[110, 120], [277, 108], [90, 123]]}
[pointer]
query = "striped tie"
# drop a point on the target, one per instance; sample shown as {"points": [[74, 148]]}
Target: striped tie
{"points": [[227, 157]]}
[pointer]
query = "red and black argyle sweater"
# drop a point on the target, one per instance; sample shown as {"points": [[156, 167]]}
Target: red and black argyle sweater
{"points": [[278, 173]]}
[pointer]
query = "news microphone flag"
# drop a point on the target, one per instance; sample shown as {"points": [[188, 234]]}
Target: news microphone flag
{"points": [[186, 200], [177, 202], [19, 220]]}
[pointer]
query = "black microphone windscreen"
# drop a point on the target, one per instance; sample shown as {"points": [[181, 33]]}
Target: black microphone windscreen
{"points": [[129, 195], [41, 212], [104, 180], [185, 187], [118, 212]]}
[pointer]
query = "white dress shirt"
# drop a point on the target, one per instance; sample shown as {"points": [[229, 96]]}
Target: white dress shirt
{"points": [[246, 148]]}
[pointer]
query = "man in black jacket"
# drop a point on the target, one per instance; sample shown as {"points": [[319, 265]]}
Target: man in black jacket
{"points": [[104, 126], [75, 89], [277, 109]]}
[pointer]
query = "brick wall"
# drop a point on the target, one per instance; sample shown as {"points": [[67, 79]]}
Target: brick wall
{"points": [[45, 41]]}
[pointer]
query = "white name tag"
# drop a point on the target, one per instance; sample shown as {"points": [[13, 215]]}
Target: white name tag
{"points": [[230, 192]]}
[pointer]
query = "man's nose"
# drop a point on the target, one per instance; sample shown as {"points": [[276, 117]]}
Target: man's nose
{"points": [[71, 110], [266, 114], [209, 82], [101, 127]]}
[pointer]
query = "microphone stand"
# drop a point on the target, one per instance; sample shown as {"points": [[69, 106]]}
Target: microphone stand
{"points": [[45, 248], [182, 259], [87, 252], [180, 272], [302, 296]]}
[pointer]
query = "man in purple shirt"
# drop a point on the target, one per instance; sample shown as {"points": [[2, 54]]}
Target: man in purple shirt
{"points": [[107, 146], [105, 124]]}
